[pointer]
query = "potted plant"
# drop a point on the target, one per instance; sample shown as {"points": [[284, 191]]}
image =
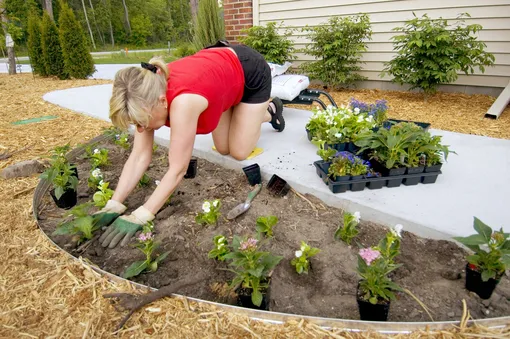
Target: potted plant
{"points": [[485, 266], [436, 153], [378, 110], [388, 147], [64, 178], [253, 269], [346, 166], [375, 290]]}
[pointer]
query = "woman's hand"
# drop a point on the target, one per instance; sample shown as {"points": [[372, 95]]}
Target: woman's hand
{"points": [[124, 227], [109, 213]]}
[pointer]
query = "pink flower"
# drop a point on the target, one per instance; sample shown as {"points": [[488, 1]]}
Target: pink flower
{"points": [[369, 255], [250, 244], [145, 236]]}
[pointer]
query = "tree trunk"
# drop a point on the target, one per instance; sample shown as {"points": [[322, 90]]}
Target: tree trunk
{"points": [[95, 23], [110, 22], [88, 24], [10, 50], [48, 5], [126, 16], [194, 8]]}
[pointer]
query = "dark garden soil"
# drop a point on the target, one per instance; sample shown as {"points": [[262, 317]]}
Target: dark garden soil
{"points": [[433, 270]]}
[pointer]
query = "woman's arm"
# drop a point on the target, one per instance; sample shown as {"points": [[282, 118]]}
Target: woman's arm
{"points": [[184, 112], [136, 165]]}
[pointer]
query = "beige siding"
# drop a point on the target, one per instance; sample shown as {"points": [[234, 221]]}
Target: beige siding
{"points": [[493, 15]]}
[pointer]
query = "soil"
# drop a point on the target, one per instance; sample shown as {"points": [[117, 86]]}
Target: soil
{"points": [[433, 270]]}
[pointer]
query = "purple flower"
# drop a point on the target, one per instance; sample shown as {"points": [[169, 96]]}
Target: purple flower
{"points": [[145, 236]]}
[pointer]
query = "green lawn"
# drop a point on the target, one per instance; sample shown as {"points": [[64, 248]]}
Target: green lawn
{"points": [[122, 58]]}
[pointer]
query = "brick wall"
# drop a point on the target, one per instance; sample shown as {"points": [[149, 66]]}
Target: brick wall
{"points": [[238, 14]]}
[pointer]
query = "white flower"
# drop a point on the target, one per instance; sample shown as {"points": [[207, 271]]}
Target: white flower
{"points": [[356, 110], [299, 254], [221, 245], [206, 207], [157, 182], [101, 183], [338, 135], [221, 239], [370, 118], [96, 151], [96, 173], [357, 216], [398, 230], [215, 203], [360, 118], [303, 247]]}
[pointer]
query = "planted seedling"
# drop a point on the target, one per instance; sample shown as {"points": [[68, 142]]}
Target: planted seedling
{"points": [[147, 246], [210, 213], [95, 178], [144, 181], [301, 262], [348, 230], [220, 248], [82, 225], [265, 225], [99, 157], [102, 196]]}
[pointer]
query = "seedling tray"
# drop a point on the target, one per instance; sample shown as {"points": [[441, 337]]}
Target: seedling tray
{"points": [[375, 182]]}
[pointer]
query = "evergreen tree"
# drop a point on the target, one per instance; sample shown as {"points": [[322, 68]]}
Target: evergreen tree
{"points": [[52, 51], [34, 45], [208, 26], [77, 59]]}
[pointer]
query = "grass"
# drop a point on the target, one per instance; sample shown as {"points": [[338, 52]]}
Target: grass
{"points": [[122, 58]]}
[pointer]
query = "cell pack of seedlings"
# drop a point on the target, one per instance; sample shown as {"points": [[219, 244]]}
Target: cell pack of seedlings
{"points": [[360, 148]]}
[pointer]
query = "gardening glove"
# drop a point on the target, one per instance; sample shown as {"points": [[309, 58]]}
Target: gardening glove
{"points": [[112, 210], [124, 227]]}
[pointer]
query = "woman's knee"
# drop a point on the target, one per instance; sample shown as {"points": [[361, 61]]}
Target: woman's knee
{"points": [[239, 154], [222, 150]]}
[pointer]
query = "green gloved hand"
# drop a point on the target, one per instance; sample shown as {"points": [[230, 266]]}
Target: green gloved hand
{"points": [[112, 210], [124, 227]]}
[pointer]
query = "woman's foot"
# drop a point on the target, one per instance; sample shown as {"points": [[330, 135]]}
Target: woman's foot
{"points": [[276, 110]]}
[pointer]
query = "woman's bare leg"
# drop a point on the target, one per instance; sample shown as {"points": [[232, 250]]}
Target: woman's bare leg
{"points": [[221, 134], [244, 129]]}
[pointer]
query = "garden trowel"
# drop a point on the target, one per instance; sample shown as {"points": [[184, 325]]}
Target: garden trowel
{"points": [[243, 207]]}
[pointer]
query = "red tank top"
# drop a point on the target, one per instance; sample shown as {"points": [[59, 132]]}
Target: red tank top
{"points": [[215, 74]]}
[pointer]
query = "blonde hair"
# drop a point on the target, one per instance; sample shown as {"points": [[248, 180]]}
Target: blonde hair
{"points": [[135, 92]]}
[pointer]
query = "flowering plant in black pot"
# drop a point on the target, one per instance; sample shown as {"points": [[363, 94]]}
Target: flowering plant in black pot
{"points": [[252, 268], [347, 166], [63, 176], [490, 259]]}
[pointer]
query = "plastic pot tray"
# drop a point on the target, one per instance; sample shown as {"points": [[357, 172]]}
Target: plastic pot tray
{"points": [[373, 183]]}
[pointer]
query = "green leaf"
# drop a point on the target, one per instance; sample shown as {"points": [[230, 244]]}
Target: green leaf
{"points": [[506, 260], [65, 228], [474, 239], [483, 229], [256, 298], [270, 261], [486, 275], [135, 269], [161, 257], [257, 272]]}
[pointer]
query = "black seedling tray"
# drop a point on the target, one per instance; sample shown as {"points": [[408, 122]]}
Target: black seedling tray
{"points": [[375, 182]]}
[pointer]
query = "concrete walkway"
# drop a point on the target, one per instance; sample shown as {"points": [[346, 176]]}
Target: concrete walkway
{"points": [[474, 183]]}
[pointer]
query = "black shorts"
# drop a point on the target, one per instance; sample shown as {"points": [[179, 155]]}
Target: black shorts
{"points": [[257, 74]]}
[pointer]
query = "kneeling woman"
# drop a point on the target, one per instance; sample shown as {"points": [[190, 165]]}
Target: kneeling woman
{"points": [[223, 90]]}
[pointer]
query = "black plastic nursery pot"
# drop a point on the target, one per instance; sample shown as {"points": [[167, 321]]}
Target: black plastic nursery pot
{"points": [[278, 186], [474, 283], [75, 170], [309, 135], [415, 170], [191, 172], [371, 312], [387, 172], [252, 173], [67, 200], [388, 123], [433, 168], [244, 298]]}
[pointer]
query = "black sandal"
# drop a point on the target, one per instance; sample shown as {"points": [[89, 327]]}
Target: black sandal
{"points": [[277, 120]]}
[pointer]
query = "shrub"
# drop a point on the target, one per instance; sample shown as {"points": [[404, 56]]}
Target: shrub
{"points": [[208, 28], [34, 45], [431, 52], [337, 47], [275, 47], [52, 51], [184, 50], [77, 59]]}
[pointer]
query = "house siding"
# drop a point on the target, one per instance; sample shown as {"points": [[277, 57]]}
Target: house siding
{"points": [[493, 15]]}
